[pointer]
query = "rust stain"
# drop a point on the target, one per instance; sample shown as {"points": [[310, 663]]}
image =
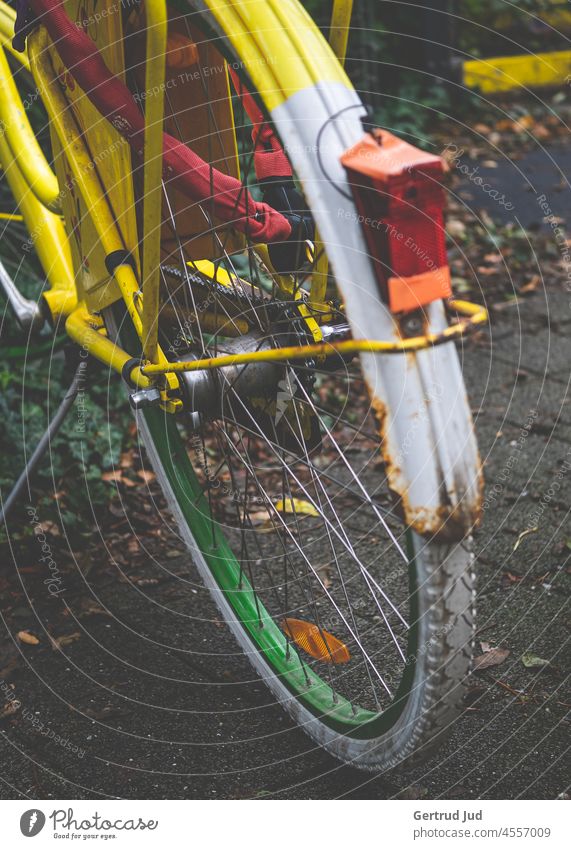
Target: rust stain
{"points": [[447, 522]]}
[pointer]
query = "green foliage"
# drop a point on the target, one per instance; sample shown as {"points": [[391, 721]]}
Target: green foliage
{"points": [[396, 70], [89, 442]]}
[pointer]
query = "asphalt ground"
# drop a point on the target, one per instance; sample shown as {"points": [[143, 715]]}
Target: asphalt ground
{"points": [[152, 699]]}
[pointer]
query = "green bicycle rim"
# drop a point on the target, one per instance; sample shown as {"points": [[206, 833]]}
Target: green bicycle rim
{"points": [[265, 635]]}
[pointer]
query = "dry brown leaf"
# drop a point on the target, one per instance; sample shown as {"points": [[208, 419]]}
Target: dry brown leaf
{"points": [[455, 228], [49, 527], [27, 638], [147, 582], [10, 708], [532, 286], [541, 132], [492, 657], [90, 608], [115, 475], [64, 640], [526, 122], [146, 475], [126, 460], [514, 579]]}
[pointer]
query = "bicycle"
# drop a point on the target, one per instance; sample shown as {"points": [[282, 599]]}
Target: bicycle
{"points": [[267, 273]]}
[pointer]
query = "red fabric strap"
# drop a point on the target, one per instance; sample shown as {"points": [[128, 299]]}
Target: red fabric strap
{"points": [[111, 97], [269, 157]]}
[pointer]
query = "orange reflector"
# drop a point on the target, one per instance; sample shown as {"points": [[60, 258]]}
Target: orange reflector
{"points": [[318, 643]]}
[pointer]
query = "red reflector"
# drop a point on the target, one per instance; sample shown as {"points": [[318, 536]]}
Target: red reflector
{"points": [[399, 197]]}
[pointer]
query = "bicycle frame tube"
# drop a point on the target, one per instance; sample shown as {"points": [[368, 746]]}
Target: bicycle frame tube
{"points": [[91, 190], [156, 41], [24, 175], [7, 21]]}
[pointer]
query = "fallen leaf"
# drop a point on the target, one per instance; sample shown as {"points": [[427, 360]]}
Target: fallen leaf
{"points": [[514, 579], [147, 582], [493, 657], [503, 305], [106, 712], [523, 534], [27, 638], [531, 286], [49, 527], [126, 460], [146, 475], [483, 129], [460, 284], [325, 575], [64, 640], [296, 506], [541, 132], [115, 475], [526, 122], [10, 708], [90, 608], [532, 661], [455, 228]]}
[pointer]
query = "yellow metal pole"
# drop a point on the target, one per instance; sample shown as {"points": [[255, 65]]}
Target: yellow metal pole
{"points": [[84, 329], [156, 14], [47, 238], [23, 143], [89, 186], [7, 22], [338, 37], [339, 27], [477, 315]]}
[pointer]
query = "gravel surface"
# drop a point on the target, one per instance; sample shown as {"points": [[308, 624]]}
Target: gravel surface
{"points": [[150, 697]]}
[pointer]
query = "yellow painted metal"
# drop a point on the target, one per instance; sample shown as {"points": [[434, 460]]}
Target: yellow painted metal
{"points": [[23, 143], [476, 315], [47, 237], [110, 156], [7, 21], [156, 41], [84, 176], [10, 216], [87, 181], [338, 38], [280, 46], [212, 270], [287, 285], [319, 273], [503, 73], [339, 28], [85, 329]]}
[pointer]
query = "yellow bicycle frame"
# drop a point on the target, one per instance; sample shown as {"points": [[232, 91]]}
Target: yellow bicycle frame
{"points": [[254, 28]]}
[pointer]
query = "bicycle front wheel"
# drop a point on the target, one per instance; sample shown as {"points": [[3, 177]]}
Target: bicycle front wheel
{"points": [[360, 626]]}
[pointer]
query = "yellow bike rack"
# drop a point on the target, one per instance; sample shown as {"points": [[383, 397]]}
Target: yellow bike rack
{"points": [[475, 315]]}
